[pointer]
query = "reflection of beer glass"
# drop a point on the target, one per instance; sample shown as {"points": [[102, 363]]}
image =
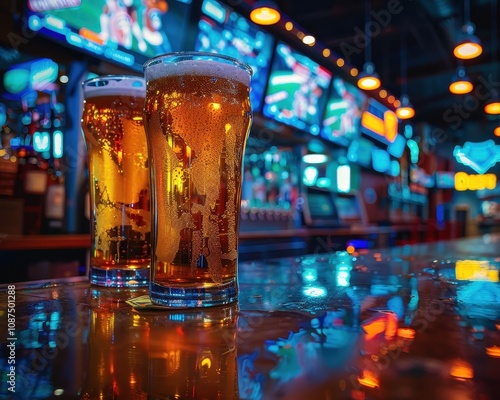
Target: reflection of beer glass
{"points": [[117, 363], [197, 118], [192, 354], [119, 181]]}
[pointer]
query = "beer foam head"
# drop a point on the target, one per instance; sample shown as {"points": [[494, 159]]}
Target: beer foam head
{"points": [[216, 66], [114, 85]]}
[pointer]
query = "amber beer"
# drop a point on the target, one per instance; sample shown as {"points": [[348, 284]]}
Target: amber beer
{"points": [[112, 124], [197, 119]]}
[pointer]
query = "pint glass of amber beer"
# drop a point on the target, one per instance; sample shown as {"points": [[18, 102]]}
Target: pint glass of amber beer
{"points": [[197, 119], [112, 125]]}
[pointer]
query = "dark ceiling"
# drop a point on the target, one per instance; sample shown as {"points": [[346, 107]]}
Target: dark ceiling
{"points": [[425, 30]]}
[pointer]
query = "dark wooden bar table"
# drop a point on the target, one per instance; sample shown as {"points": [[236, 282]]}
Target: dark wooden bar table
{"points": [[412, 322]]}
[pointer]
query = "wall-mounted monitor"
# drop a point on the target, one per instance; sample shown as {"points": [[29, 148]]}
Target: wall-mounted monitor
{"points": [[343, 112], [379, 123], [223, 31], [296, 91], [126, 32]]}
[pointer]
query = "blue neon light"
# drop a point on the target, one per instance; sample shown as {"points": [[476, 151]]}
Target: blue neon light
{"points": [[381, 161], [41, 141], [479, 156], [57, 146], [397, 147], [414, 151]]}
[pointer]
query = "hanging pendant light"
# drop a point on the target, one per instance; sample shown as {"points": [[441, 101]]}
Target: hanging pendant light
{"points": [[468, 45], [460, 83], [406, 110], [368, 79], [492, 107], [265, 13]]}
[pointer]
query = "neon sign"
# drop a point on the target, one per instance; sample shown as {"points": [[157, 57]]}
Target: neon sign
{"points": [[57, 139], [475, 270], [344, 178], [41, 141], [465, 181], [380, 122], [478, 156]]}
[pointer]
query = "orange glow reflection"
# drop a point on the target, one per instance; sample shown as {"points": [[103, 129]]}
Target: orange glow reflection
{"points": [[493, 351], [369, 379], [384, 322], [461, 370], [406, 333]]}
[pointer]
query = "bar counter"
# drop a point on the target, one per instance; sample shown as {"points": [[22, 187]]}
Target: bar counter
{"points": [[411, 322]]}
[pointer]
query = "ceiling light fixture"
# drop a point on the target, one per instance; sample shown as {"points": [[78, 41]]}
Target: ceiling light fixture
{"points": [[368, 79], [460, 84], [492, 107], [265, 13], [468, 45], [404, 109]]}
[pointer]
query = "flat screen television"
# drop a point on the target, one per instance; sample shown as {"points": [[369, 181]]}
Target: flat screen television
{"points": [[126, 32], [343, 113], [296, 90], [223, 31]]}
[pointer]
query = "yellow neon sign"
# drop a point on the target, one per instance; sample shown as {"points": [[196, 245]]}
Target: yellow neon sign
{"points": [[475, 270], [464, 181], [387, 127]]}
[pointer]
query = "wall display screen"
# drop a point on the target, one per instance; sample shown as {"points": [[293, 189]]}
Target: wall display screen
{"points": [[226, 32], [343, 113], [126, 32], [296, 91]]}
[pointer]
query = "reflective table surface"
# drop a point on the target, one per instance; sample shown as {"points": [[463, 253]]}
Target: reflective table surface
{"points": [[414, 322]]}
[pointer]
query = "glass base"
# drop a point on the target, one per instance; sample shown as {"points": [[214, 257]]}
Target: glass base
{"points": [[178, 297], [120, 277]]}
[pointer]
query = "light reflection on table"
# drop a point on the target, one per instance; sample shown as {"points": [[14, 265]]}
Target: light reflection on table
{"points": [[406, 323]]}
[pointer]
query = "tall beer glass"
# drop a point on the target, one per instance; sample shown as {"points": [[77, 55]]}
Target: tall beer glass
{"points": [[197, 119], [112, 124]]}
